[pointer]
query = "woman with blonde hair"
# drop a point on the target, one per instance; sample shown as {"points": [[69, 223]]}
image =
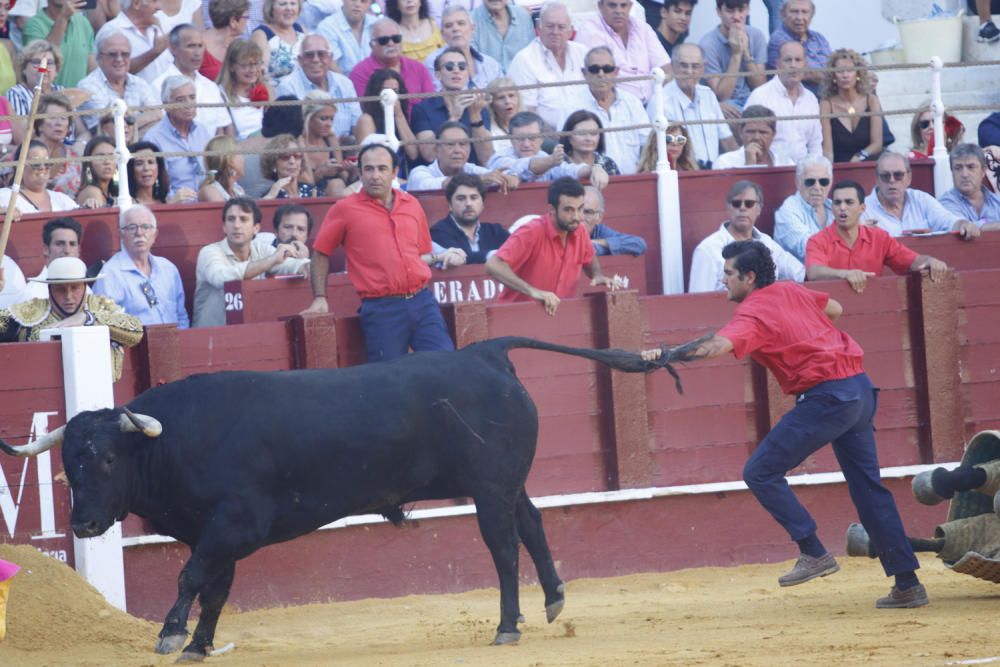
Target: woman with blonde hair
{"points": [[330, 172], [285, 169], [241, 80], [224, 171], [850, 138], [504, 105], [279, 36], [922, 133], [679, 151]]}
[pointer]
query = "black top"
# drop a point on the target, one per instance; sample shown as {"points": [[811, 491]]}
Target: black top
{"points": [[447, 233]]}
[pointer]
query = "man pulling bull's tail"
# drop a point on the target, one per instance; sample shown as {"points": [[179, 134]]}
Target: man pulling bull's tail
{"points": [[789, 329]]}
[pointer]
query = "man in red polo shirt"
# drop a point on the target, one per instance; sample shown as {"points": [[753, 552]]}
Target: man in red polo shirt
{"points": [[855, 252], [385, 235], [541, 261], [789, 329]]}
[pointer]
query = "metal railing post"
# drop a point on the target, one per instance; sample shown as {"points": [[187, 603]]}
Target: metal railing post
{"points": [[122, 152], [388, 97], [668, 206], [942, 170]]}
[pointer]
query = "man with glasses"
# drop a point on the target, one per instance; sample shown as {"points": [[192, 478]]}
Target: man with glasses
{"points": [[616, 107], [856, 252], [238, 256], [180, 132], [187, 47], [458, 31], [142, 284], [549, 58], [452, 158], [387, 52], [685, 99], [743, 203], [349, 34], [526, 159], [61, 23], [631, 44], [970, 199], [464, 106], [899, 209], [147, 41], [312, 72], [809, 210], [68, 304], [112, 80], [607, 241]]}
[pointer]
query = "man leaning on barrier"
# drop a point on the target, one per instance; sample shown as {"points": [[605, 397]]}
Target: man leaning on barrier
{"points": [[69, 305], [462, 228]]}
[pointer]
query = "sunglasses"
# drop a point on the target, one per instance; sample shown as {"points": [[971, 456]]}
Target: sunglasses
{"points": [[607, 69], [452, 64], [384, 41], [890, 176], [742, 203], [809, 182], [149, 293], [676, 139], [924, 124]]}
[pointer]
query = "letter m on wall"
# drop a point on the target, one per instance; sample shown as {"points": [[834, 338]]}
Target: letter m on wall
{"points": [[11, 498]]}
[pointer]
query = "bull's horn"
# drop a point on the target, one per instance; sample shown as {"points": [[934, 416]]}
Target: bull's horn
{"points": [[131, 422], [42, 444]]}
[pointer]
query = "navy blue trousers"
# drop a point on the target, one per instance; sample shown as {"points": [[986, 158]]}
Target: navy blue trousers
{"points": [[394, 324], [841, 412]]}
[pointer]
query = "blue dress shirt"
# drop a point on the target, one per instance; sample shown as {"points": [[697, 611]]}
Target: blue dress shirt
{"points": [[157, 299]]}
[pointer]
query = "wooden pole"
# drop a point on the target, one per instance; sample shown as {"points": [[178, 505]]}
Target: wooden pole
{"points": [[15, 187]]}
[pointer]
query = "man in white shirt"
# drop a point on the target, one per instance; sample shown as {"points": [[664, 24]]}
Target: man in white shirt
{"points": [[312, 72], [187, 46], [786, 96], [685, 100], [614, 106], [150, 57], [112, 80], [758, 135], [452, 157], [549, 58], [238, 256], [744, 204]]}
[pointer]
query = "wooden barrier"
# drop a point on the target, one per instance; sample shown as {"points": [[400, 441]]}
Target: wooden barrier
{"points": [[269, 300]]}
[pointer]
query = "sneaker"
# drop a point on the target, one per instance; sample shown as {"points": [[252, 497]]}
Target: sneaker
{"points": [[915, 596], [807, 568], [988, 32]]}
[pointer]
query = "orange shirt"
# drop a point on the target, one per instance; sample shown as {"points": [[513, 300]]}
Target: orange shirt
{"points": [[383, 247], [537, 255]]}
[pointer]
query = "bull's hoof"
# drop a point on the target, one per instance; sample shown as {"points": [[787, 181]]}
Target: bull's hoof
{"points": [[170, 643], [858, 542], [923, 489], [190, 656], [506, 638], [553, 609]]}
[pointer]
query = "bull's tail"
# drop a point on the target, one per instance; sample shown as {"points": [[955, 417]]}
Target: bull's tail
{"points": [[622, 360]]}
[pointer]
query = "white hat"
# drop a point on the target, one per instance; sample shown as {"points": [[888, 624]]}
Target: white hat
{"points": [[64, 271]]}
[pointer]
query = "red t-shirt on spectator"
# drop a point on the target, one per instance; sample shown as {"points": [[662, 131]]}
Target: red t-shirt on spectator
{"points": [[383, 247], [873, 250], [538, 256], [783, 328]]}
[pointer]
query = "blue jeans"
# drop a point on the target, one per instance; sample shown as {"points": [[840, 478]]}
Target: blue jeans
{"points": [[841, 412], [394, 324]]}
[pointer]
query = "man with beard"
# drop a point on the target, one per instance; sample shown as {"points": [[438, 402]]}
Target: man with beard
{"points": [[466, 195], [542, 260], [69, 305]]}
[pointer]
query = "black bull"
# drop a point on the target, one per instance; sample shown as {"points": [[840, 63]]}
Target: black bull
{"points": [[230, 462]]}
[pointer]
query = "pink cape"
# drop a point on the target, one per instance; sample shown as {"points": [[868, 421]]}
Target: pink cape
{"points": [[8, 570]]}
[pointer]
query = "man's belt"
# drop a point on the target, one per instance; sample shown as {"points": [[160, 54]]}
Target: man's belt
{"points": [[407, 296]]}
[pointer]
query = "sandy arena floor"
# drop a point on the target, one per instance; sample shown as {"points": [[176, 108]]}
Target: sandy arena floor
{"points": [[711, 616]]}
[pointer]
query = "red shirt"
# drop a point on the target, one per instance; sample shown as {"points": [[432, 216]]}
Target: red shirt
{"points": [[383, 247], [872, 250], [538, 256], [783, 328]]}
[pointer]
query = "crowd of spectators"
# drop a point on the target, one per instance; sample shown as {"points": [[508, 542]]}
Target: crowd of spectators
{"points": [[725, 113]]}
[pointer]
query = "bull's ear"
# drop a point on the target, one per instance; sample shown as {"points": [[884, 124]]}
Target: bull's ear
{"points": [[131, 422], [42, 444]]}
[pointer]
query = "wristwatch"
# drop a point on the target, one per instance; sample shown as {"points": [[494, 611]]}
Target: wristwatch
{"points": [[864, 154], [479, 124]]}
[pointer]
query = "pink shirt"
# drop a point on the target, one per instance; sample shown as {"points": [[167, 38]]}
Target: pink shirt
{"points": [[642, 54], [415, 76]]}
